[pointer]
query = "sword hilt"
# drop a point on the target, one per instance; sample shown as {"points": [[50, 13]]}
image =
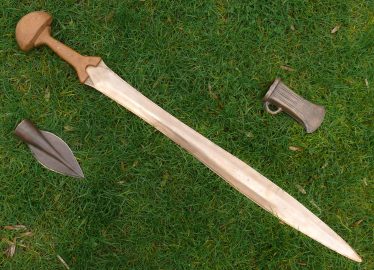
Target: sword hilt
{"points": [[34, 29]]}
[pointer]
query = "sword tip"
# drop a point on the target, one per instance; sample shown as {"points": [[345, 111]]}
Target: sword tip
{"points": [[355, 257], [347, 251]]}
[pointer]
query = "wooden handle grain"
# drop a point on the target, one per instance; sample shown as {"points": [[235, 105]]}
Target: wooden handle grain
{"points": [[34, 30]]}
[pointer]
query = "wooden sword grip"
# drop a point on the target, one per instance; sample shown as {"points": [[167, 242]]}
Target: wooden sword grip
{"points": [[76, 60], [34, 29]]}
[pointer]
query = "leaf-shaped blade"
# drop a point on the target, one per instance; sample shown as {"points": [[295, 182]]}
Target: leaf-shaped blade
{"points": [[51, 151]]}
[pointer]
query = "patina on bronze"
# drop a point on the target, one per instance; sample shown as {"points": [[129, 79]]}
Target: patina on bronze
{"points": [[303, 111], [51, 151]]}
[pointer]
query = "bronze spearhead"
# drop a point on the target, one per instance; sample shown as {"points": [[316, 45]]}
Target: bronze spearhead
{"points": [[51, 151]]}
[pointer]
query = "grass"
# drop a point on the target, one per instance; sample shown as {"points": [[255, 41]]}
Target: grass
{"points": [[147, 204]]}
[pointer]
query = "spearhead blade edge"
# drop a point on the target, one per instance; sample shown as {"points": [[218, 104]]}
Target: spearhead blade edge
{"points": [[51, 151]]}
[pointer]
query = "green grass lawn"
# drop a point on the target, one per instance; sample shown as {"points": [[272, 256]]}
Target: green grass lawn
{"points": [[147, 204]]}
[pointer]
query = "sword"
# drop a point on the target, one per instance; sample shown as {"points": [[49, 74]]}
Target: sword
{"points": [[34, 30]]}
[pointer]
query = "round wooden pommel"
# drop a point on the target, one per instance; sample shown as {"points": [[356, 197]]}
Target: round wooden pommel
{"points": [[29, 28]]}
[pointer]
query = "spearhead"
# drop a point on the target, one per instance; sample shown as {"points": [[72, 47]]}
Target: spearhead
{"points": [[51, 151]]}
